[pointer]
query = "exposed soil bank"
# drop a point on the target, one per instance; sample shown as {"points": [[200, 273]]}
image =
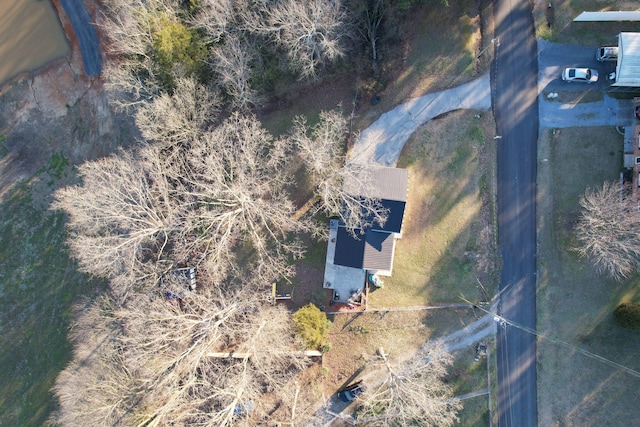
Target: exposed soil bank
{"points": [[30, 37]]}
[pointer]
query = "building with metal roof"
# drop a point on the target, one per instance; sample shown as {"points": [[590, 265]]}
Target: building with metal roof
{"points": [[628, 65]]}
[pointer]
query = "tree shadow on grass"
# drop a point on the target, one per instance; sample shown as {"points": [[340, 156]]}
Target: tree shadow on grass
{"points": [[40, 284]]}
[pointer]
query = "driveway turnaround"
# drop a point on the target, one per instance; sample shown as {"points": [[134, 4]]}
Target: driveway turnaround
{"points": [[86, 34], [382, 142], [552, 58], [515, 78]]}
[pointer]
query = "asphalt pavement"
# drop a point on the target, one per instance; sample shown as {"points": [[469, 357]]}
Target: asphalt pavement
{"points": [[554, 57], [515, 88], [86, 34]]}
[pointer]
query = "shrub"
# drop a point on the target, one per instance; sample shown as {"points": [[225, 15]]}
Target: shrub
{"points": [[312, 325], [628, 315], [179, 50]]}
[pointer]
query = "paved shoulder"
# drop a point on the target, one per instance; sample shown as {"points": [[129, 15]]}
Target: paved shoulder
{"points": [[382, 142], [86, 34]]}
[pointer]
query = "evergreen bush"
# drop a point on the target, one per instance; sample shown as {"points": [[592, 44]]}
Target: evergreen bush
{"points": [[628, 315]]}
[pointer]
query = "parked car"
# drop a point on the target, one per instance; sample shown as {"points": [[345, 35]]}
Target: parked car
{"points": [[351, 392], [607, 53], [584, 75]]}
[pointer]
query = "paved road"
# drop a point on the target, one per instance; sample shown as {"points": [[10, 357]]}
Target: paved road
{"points": [[86, 34], [514, 78]]}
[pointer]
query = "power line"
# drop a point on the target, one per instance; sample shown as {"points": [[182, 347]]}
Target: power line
{"points": [[587, 353]]}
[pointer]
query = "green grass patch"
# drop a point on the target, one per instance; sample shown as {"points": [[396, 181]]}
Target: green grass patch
{"points": [[57, 165], [467, 375], [38, 285]]}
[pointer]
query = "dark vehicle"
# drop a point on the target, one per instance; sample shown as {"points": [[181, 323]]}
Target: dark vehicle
{"points": [[351, 392]]}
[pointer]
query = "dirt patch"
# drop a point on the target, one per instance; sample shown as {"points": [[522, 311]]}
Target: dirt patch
{"points": [[355, 338], [56, 110]]}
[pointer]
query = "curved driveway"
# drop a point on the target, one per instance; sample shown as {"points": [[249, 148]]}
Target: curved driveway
{"points": [[382, 142], [86, 34], [515, 85]]}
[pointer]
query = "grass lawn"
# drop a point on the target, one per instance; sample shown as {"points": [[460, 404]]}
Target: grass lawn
{"points": [[441, 46], [574, 304], [38, 285], [447, 241], [563, 30]]}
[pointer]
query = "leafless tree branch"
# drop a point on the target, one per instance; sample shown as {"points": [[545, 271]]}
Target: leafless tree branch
{"points": [[607, 230]]}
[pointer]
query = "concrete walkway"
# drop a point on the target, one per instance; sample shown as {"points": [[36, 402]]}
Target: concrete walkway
{"points": [[382, 142]]}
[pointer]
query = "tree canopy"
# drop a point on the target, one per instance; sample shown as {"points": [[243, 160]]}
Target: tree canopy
{"points": [[607, 230]]}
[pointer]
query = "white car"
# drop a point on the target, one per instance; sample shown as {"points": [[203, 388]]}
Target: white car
{"points": [[607, 53], [584, 75]]}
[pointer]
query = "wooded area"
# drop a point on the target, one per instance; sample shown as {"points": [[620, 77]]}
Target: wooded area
{"points": [[208, 188]]}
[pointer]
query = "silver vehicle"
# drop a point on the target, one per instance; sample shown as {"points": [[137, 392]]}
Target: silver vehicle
{"points": [[584, 75], [607, 53]]}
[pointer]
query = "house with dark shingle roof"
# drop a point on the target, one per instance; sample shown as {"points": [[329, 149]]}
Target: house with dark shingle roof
{"points": [[353, 253]]}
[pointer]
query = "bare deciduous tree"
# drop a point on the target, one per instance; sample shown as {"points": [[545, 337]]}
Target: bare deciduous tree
{"points": [[412, 393], [340, 186], [312, 32], [128, 25], [237, 174], [196, 203], [371, 20], [218, 18], [122, 215], [607, 230], [153, 362], [232, 61], [180, 117]]}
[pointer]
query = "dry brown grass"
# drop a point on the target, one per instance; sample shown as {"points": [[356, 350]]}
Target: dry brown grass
{"points": [[448, 233], [574, 304], [564, 30], [440, 47], [355, 338]]}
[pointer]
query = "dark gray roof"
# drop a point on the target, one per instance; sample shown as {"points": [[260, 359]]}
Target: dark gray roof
{"points": [[372, 251], [378, 251], [349, 250], [395, 212], [379, 183]]}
